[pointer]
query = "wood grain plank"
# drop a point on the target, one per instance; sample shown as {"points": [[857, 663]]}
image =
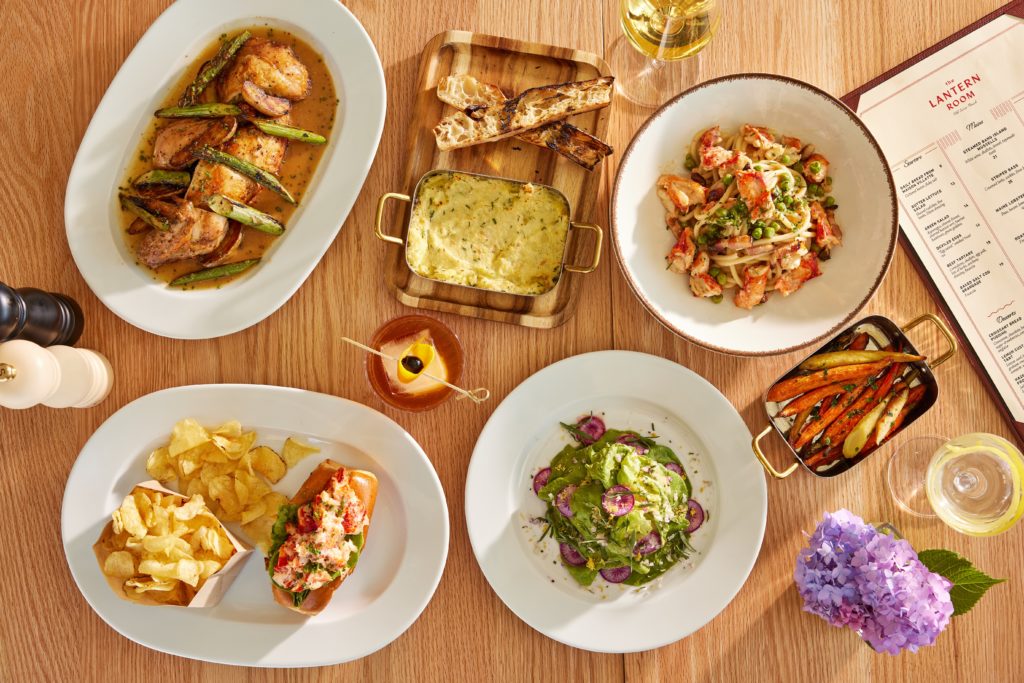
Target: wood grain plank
{"points": [[59, 71]]}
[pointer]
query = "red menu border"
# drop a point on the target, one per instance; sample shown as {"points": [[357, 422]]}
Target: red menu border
{"points": [[852, 99]]}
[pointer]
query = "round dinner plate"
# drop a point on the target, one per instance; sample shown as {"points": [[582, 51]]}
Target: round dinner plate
{"points": [[92, 216], [630, 391], [862, 186], [406, 546]]}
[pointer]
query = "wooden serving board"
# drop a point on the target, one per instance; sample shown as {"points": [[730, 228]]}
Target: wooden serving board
{"points": [[515, 66]]}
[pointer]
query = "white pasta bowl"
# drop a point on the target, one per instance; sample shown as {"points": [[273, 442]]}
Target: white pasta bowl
{"points": [[862, 186]]}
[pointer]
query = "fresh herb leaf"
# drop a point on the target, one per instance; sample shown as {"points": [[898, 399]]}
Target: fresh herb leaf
{"points": [[969, 583]]}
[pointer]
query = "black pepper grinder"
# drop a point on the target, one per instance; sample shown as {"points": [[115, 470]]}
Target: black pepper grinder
{"points": [[41, 317]]}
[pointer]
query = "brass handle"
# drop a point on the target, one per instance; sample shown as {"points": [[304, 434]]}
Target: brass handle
{"points": [[755, 444], [943, 329], [597, 249], [380, 214]]}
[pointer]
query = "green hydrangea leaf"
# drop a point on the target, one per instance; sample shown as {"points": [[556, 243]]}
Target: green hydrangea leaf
{"points": [[969, 583]]}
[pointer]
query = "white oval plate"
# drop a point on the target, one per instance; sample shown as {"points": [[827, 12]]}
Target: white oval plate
{"points": [[631, 391], [396, 577], [863, 190], [91, 212]]}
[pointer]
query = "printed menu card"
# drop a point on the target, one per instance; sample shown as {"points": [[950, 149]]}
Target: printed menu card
{"points": [[951, 125]]}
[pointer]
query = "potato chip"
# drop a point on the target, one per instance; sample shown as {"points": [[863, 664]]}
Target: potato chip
{"points": [[182, 570], [234, 477], [127, 518], [213, 540], [254, 511], [295, 450], [163, 547], [259, 531], [142, 585], [267, 462], [232, 429], [195, 505], [272, 501], [186, 435], [159, 465], [258, 488], [119, 564]]}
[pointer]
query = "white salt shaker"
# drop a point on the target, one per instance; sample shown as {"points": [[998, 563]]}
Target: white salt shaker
{"points": [[58, 377]]}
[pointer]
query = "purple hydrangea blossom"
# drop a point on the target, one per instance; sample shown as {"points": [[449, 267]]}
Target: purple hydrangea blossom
{"points": [[851, 574]]}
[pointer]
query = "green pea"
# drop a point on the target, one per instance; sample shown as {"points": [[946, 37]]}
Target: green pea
{"points": [[715, 271], [814, 167], [780, 205], [814, 189], [727, 179], [717, 299], [769, 231], [798, 167], [830, 201], [690, 162], [756, 233], [722, 278], [785, 160]]}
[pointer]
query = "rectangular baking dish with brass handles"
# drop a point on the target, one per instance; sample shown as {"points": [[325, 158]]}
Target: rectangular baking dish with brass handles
{"points": [[550, 264], [863, 407]]}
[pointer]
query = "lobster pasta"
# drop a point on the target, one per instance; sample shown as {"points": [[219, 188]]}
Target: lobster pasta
{"points": [[755, 215]]}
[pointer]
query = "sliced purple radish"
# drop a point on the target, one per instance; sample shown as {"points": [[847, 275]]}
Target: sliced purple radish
{"points": [[592, 428], [616, 574], [675, 467], [571, 555], [617, 501], [563, 500], [648, 544], [634, 441], [540, 479], [695, 514]]}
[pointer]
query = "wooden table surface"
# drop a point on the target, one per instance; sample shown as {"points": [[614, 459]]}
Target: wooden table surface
{"points": [[58, 61]]}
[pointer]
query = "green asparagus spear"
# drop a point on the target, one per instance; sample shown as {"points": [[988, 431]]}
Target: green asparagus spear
{"points": [[213, 67], [282, 131], [160, 178], [215, 272], [140, 207], [245, 214], [249, 170], [211, 110]]}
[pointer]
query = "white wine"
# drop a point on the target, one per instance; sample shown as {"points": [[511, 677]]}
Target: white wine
{"points": [[669, 29], [975, 484]]}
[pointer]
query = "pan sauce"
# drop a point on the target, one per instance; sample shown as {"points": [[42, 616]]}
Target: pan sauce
{"points": [[490, 233], [315, 113]]}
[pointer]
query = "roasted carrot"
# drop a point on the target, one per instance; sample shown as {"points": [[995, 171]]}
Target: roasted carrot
{"points": [[914, 397], [828, 415], [795, 386], [844, 424], [823, 456], [860, 342], [798, 423], [811, 397], [836, 359]]}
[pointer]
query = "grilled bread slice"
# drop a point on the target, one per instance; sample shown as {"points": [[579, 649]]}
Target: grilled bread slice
{"points": [[466, 92], [531, 109]]}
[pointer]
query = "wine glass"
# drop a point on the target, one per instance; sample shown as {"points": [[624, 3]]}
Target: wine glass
{"points": [[656, 35], [974, 483]]}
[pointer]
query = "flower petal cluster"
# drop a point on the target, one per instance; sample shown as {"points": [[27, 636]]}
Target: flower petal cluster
{"points": [[853, 575]]}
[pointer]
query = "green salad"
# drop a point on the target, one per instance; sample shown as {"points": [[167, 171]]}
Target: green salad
{"points": [[619, 505]]}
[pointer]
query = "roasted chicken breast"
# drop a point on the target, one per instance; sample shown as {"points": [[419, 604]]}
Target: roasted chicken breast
{"points": [[176, 141], [193, 232], [268, 66], [249, 144]]}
